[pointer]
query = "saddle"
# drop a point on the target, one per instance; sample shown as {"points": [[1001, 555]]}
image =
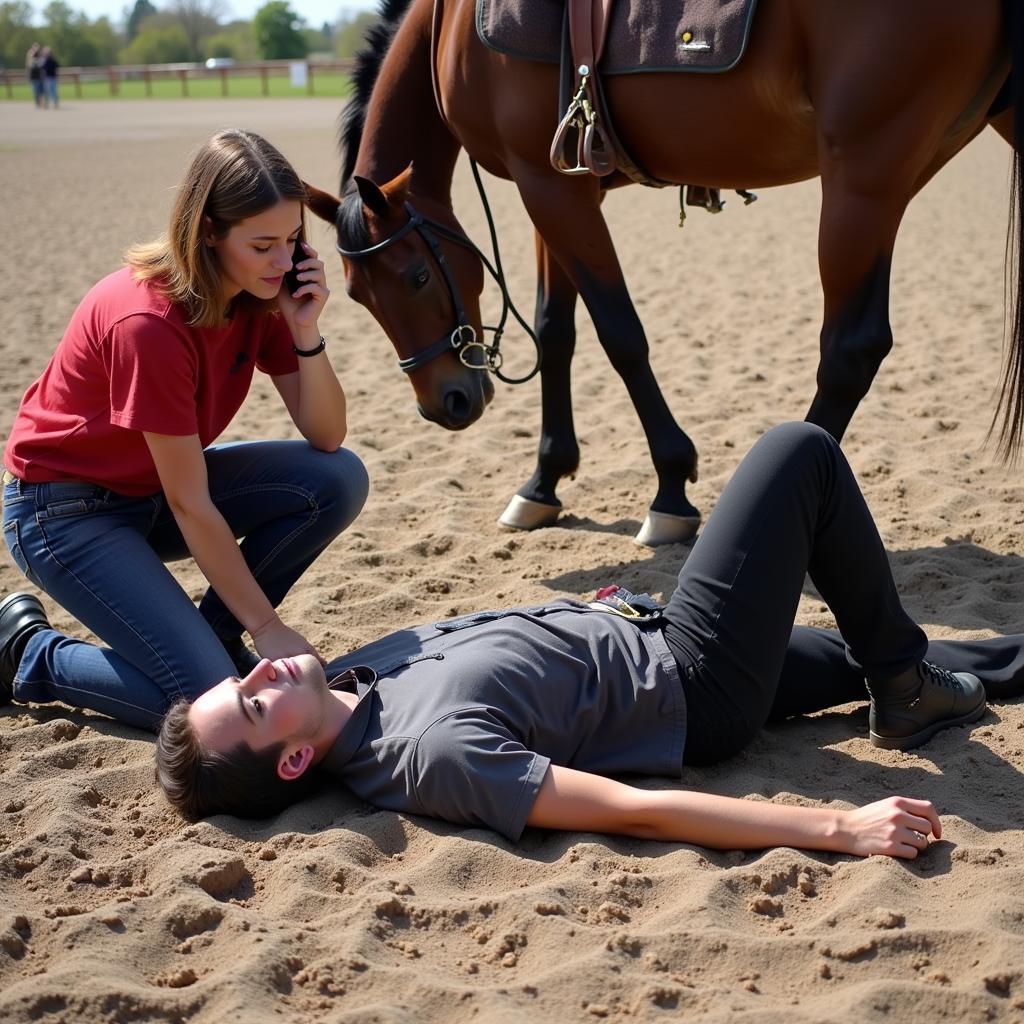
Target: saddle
{"points": [[585, 141]]}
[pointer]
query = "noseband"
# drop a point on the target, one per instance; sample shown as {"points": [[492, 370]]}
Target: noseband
{"points": [[462, 338]]}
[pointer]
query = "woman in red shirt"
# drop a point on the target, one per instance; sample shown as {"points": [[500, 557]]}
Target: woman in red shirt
{"points": [[111, 468]]}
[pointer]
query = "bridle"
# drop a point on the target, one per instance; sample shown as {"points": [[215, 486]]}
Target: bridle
{"points": [[462, 339]]}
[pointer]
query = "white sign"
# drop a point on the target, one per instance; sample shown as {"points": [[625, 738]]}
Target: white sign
{"points": [[299, 74]]}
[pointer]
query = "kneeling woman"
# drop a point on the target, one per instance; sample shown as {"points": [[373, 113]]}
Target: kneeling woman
{"points": [[111, 470]]}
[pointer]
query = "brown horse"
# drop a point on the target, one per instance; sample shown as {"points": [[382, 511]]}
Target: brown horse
{"points": [[873, 97]]}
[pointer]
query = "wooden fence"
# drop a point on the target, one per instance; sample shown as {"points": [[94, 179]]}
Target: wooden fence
{"points": [[183, 73]]}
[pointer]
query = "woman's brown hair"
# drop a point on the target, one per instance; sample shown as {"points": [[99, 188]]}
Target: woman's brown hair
{"points": [[235, 175]]}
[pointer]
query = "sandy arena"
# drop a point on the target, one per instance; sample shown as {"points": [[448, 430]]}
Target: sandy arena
{"points": [[112, 910]]}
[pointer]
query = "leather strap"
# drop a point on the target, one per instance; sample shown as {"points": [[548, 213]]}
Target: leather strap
{"points": [[435, 31], [588, 30], [581, 145]]}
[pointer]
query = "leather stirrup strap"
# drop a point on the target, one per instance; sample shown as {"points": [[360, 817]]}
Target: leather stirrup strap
{"points": [[567, 144], [588, 29], [576, 148], [581, 144]]}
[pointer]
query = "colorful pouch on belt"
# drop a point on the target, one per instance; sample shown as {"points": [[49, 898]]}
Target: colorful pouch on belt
{"points": [[620, 601]]}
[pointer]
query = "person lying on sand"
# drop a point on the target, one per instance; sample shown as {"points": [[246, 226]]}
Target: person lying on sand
{"points": [[514, 718]]}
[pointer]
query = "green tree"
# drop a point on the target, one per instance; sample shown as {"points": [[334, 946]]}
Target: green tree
{"points": [[233, 40], [198, 19], [348, 35], [16, 33], [105, 40], [138, 14], [315, 41], [74, 39], [219, 45], [278, 32], [158, 45]]}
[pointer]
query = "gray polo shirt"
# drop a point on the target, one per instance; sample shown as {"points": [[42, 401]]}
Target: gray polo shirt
{"points": [[460, 720]]}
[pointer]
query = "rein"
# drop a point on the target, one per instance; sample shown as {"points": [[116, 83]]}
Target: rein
{"points": [[462, 339]]}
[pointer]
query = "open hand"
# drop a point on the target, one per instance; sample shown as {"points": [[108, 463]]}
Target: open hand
{"points": [[896, 827]]}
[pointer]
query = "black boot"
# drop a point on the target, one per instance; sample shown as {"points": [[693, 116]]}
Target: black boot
{"points": [[245, 660], [910, 708], [21, 615]]}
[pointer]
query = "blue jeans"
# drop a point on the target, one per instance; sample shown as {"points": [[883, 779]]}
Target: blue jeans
{"points": [[100, 556], [50, 89]]}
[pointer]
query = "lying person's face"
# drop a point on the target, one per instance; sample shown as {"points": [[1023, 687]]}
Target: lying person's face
{"points": [[281, 701]]}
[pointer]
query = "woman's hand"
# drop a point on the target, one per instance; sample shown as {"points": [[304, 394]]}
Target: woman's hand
{"points": [[302, 308], [275, 640], [896, 827]]}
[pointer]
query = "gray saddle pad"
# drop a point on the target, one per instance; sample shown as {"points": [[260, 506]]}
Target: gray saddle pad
{"points": [[644, 35]]}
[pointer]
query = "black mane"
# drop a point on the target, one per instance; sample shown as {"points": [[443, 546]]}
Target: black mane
{"points": [[368, 61]]}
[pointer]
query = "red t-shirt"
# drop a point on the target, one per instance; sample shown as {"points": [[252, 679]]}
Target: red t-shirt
{"points": [[130, 362]]}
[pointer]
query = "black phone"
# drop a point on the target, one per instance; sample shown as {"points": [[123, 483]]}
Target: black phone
{"points": [[291, 278]]}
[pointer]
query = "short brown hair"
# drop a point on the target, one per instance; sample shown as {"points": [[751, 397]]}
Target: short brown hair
{"points": [[199, 782], [235, 175]]}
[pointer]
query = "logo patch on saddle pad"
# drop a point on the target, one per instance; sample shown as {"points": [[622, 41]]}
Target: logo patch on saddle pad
{"points": [[644, 35]]}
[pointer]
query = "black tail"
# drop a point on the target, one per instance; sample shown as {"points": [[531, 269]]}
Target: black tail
{"points": [[1011, 396]]}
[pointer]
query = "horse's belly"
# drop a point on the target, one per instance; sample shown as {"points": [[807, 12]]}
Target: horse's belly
{"points": [[753, 126], [708, 130]]}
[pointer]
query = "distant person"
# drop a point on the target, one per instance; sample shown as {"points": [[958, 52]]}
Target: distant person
{"points": [[34, 71], [111, 468], [50, 66]]}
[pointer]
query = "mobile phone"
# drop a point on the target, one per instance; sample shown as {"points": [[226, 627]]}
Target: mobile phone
{"points": [[291, 278]]}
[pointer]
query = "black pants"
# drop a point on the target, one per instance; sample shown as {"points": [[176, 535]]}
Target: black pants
{"points": [[793, 508]]}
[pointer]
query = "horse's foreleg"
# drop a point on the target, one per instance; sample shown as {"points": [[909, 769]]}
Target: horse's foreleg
{"points": [[570, 221], [558, 454]]}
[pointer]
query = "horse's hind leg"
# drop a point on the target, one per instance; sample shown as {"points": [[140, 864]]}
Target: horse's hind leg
{"points": [[567, 215], [875, 148], [864, 193], [855, 254]]}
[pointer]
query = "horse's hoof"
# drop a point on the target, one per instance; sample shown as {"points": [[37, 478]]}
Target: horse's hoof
{"points": [[664, 528], [525, 514]]}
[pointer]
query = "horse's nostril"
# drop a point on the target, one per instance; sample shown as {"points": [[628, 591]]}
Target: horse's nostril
{"points": [[457, 405]]}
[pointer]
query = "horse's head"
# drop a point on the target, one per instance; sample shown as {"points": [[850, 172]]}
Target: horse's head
{"points": [[405, 264]]}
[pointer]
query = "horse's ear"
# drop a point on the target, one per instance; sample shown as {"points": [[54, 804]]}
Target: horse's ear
{"points": [[373, 198], [323, 204], [398, 188]]}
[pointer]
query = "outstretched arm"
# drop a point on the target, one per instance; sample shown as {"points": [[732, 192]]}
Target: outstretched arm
{"points": [[181, 467], [578, 801]]}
